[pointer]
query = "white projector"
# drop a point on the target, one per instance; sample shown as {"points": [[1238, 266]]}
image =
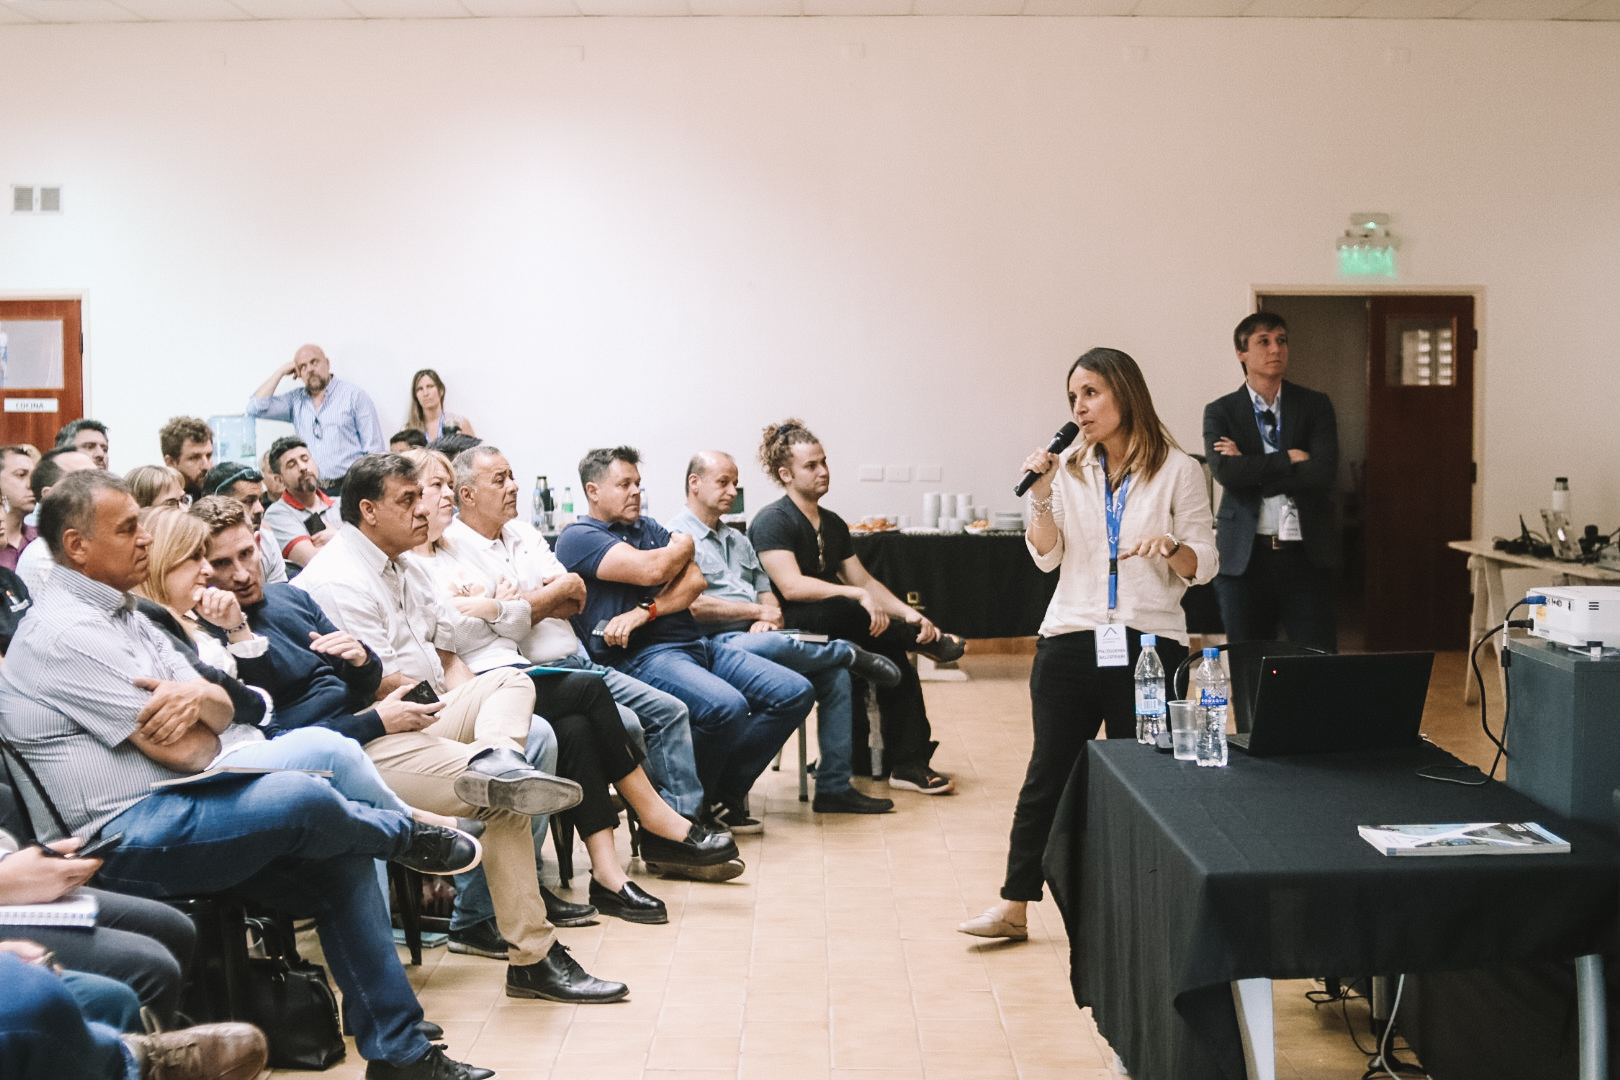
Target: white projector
{"points": [[1578, 615]]}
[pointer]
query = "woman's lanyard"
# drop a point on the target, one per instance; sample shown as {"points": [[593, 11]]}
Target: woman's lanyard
{"points": [[1113, 514]]}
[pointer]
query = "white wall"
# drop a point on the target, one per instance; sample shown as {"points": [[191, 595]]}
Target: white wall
{"points": [[705, 224]]}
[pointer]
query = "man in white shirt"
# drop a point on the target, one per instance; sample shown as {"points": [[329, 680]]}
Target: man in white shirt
{"points": [[368, 585]]}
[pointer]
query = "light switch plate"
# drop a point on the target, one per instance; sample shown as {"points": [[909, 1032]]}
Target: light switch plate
{"points": [[898, 474], [871, 472]]}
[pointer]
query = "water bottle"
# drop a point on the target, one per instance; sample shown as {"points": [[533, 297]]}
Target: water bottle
{"points": [[567, 508], [541, 497], [1149, 692], [1214, 691]]}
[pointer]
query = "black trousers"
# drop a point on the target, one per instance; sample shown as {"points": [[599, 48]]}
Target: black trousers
{"points": [[144, 944], [1280, 594], [592, 748], [907, 736], [1071, 698]]}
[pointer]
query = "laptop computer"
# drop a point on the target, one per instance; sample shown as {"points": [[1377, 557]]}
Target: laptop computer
{"points": [[1322, 704]]}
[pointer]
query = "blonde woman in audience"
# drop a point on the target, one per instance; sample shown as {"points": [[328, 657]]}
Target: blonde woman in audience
{"points": [[592, 747], [176, 598], [157, 485], [428, 414]]}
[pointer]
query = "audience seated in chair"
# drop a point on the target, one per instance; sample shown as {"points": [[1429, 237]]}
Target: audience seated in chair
{"points": [[34, 561], [16, 502], [245, 484], [639, 582], [823, 588], [88, 437], [188, 448], [407, 439], [739, 609], [305, 518], [101, 705], [157, 485]]}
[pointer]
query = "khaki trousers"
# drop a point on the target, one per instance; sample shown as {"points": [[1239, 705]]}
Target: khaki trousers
{"points": [[494, 709]]}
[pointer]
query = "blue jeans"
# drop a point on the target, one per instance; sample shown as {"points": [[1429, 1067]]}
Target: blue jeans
{"points": [[473, 902], [354, 775], [826, 665], [105, 1001], [663, 733], [44, 1034], [743, 708], [291, 841]]}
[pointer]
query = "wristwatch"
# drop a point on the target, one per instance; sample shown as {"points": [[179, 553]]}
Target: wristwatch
{"points": [[1172, 552], [650, 607]]}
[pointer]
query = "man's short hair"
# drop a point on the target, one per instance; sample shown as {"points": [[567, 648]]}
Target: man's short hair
{"points": [[71, 429], [416, 440], [72, 505], [174, 435], [1260, 320], [454, 444], [368, 479], [48, 472], [466, 465], [227, 474], [219, 513], [280, 448], [596, 463]]}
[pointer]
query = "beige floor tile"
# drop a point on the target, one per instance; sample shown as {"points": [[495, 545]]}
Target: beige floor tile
{"points": [[693, 1052]]}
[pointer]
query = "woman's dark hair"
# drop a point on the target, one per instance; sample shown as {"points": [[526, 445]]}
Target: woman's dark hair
{"points": [[416, 418], [1147, 440], [776, 446]]}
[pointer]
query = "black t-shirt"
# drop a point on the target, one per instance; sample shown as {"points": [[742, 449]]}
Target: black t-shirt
{"points": [[781, 526], [14, 604], [580, 549]]}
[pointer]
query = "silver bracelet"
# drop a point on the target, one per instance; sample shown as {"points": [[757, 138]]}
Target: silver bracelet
{"points": [[1041, 507]]}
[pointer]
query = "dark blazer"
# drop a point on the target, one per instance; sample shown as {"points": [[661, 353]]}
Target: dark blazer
{"points": [[250, 707], [1308, 424]]}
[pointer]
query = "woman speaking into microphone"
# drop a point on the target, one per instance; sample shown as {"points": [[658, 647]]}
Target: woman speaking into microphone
{"points": [[1124, 518]]}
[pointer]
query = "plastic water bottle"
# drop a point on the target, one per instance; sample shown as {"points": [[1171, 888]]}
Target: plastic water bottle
{"points": [[541, 498], [1149, 691], [1214, 692], [567, 508]]}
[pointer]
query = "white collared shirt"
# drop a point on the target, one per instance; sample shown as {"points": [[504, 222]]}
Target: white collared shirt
{"points": [[1175, 501], [392, 605], [1272, 507], [522, 556]]}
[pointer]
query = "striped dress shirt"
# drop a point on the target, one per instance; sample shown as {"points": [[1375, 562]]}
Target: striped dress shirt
{"points": [[68, 700]]}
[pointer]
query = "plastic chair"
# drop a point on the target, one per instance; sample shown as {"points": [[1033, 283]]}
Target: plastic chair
{"points": [[1243, 661]]}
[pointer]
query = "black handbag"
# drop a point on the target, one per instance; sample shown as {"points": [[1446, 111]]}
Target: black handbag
{"points": [[292, 1002]]}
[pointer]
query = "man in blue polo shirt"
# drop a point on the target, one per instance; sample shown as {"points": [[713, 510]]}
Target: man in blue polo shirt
{"points": [[739, 609], [639, 582]]}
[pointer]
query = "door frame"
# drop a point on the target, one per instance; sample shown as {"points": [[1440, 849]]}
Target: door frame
{"points": [[83, 297], [1369, 289]]}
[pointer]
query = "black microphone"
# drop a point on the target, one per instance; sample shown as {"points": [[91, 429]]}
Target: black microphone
{"points": [[1060, 442]]}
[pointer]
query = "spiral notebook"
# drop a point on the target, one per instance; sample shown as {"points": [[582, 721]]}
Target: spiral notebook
{"points": [[74, 909]]}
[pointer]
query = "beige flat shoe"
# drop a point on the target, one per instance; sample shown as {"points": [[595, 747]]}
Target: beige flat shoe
{"points": [[991, 925]]}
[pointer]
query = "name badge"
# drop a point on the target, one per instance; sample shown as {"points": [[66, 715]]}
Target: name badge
{"points": [[1113, 650], [1288, 524]]}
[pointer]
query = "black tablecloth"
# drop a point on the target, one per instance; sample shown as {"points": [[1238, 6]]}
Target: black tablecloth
{"points": [[1175, 880], [985, 586]]}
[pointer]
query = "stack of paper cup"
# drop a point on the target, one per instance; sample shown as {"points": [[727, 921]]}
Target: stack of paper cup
{"points": [[931, 509]]}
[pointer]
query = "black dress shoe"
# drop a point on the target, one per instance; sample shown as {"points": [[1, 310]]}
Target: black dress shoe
{"points": [[479, 939], [430, 1031], [471, 826], [701, 847], [875, 669], [850, 801], [434, 849], [560, 912], [948, 648], [559, 978], [631, 903], [505, 780], [433, 1066]]}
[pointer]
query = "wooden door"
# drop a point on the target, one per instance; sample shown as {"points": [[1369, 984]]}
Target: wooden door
{"points": [[1420, 470], [42, 377]]}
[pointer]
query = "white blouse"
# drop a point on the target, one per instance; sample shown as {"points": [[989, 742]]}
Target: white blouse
{"points": [[1175, 501]]}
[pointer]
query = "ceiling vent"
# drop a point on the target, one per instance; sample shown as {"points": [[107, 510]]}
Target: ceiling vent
{"points": [[22, 200], [50, 200], [35, 200]]}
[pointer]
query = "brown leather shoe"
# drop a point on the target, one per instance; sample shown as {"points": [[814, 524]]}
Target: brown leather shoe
{"points": [[204, 1052]]}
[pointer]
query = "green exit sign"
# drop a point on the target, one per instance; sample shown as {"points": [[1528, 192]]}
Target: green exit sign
{"points": [[1364, 260]]}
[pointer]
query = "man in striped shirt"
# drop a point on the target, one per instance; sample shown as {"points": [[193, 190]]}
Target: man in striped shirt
{"points": [[100, 705]]}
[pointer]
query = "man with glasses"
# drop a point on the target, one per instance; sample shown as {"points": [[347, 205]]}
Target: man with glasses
{"points": [[243, 483], [305, 517], [87, 436], [335, 418], [1274, 447], [188, 448]]}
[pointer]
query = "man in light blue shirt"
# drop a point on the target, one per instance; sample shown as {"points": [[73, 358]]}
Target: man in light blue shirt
{"points": [[740, 610], [335, 418]]}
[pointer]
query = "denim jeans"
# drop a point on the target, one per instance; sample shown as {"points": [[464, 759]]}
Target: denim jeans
{"points": [[105, 1001], [290, 841], [664, 733], [743, 708], [354, 775], [473, 902], [44, 1034], [826, 665]]}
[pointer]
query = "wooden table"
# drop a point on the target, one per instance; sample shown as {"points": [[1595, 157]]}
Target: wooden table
{"points": [[1485, 564]]}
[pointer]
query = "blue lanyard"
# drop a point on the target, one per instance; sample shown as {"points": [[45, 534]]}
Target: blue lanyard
{"points": [[1113, 514]]}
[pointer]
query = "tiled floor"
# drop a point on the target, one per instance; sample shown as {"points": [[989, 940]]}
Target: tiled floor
{"points": [[835, 955]]}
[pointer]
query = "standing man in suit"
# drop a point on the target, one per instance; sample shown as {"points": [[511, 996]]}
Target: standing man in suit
{"points": [[1274, 447]]}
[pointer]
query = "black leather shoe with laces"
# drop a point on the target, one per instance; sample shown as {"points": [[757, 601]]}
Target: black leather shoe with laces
{"points": [[559, 978], [434, 849], [433, 1066], [505, 780], [560, 912], [875, 669], [479, 939]]}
